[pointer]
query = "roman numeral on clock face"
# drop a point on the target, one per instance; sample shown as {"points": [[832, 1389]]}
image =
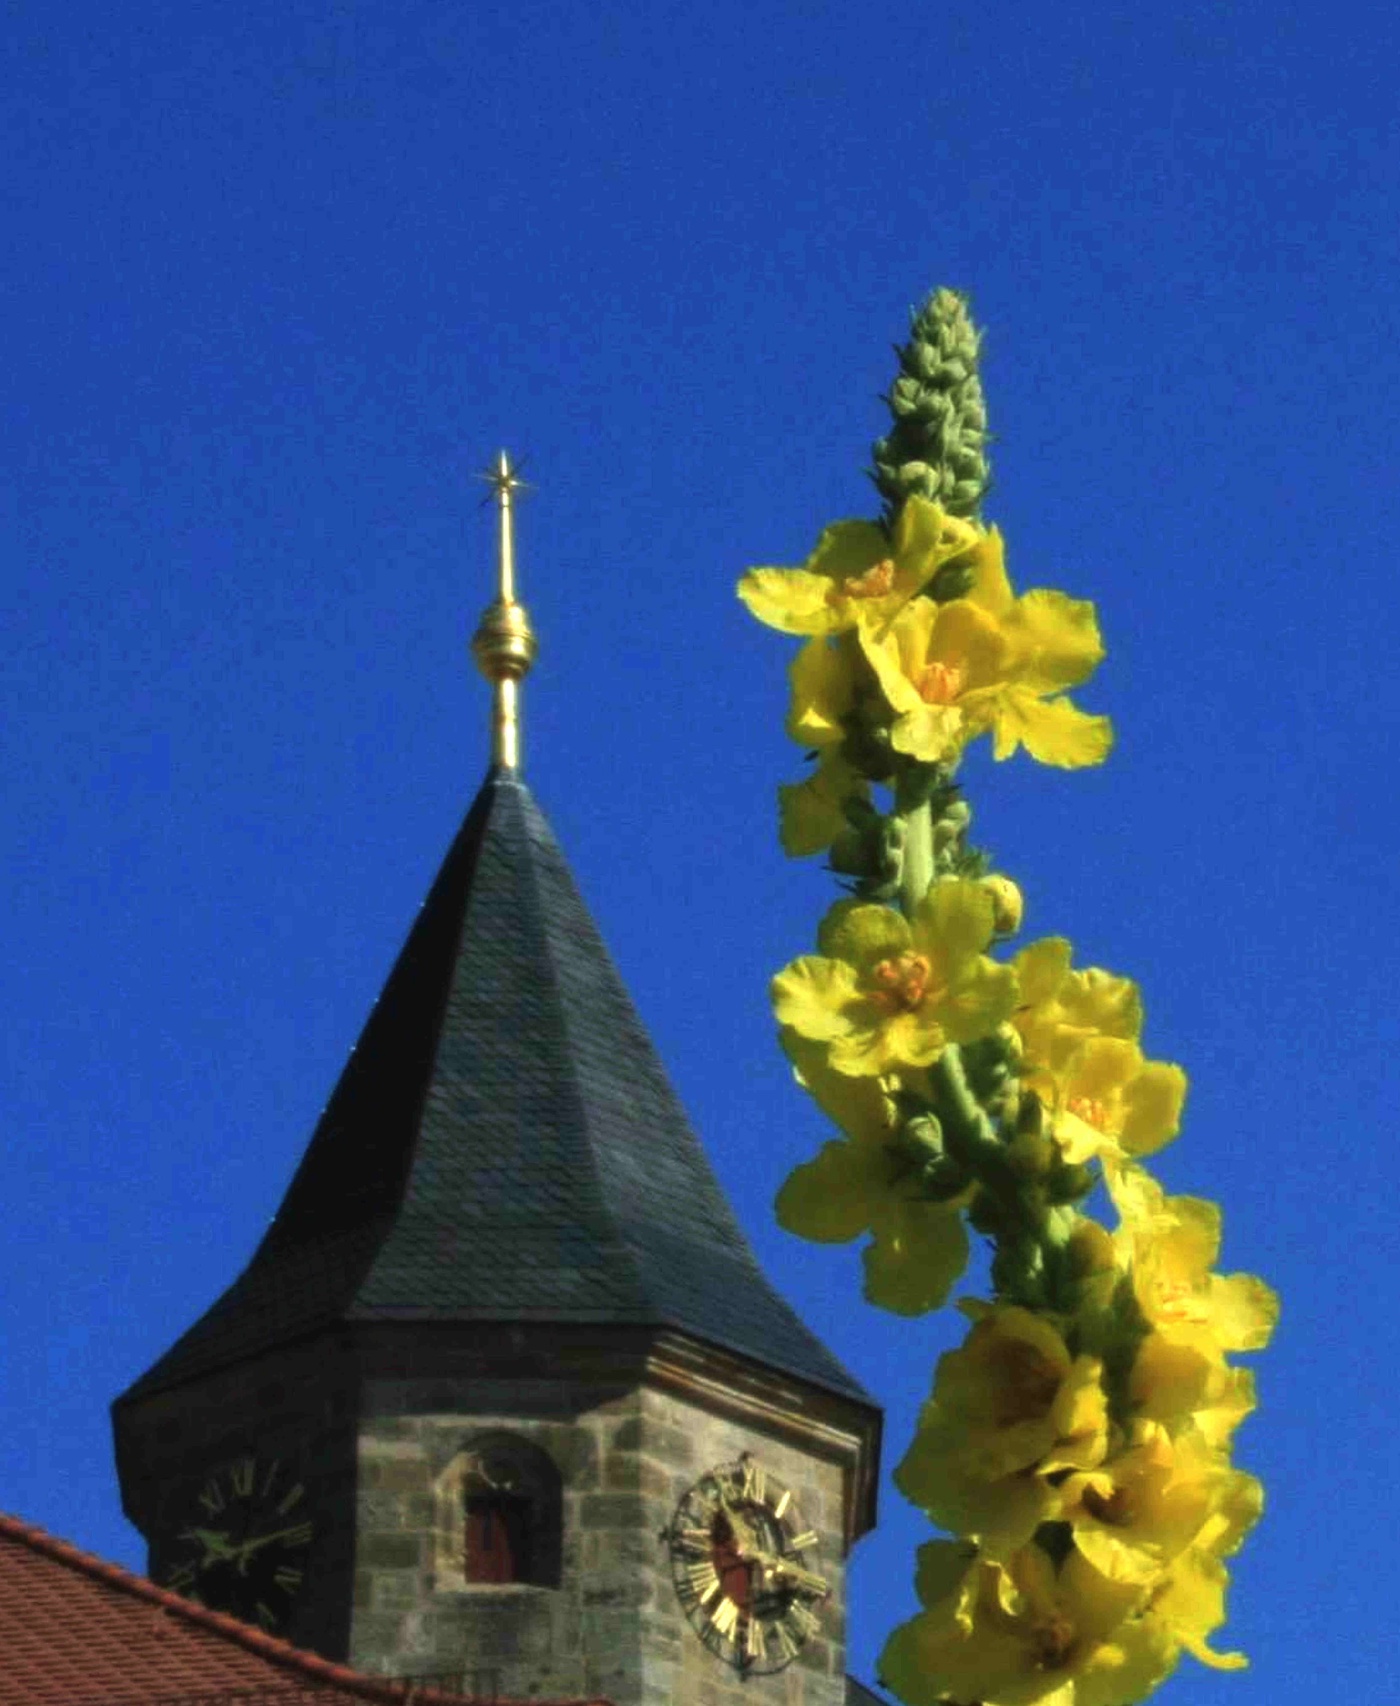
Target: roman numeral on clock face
{"points": [[294, 1497], [725, 1618], [704, 1583], [802, 1620]]}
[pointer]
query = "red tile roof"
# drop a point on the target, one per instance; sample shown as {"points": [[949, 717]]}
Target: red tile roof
{"points": [[75, 1631]]}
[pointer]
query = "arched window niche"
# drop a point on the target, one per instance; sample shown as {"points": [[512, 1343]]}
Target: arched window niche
{"points": [[499, 1515]]}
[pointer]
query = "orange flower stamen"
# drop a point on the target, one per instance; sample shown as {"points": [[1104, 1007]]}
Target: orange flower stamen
{"points": [[875, 582], [1092, 1111], [900, 985], [939, 683], [1055, 1639]]}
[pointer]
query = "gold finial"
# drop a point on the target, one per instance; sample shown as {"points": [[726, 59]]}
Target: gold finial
{"points": [[504, 644]]}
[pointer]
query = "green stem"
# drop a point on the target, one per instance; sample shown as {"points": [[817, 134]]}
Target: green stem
{"points": [[916, 874], [1030, 1235]]}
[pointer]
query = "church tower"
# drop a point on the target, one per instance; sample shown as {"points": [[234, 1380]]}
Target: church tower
{"points": [[502, 1396]]}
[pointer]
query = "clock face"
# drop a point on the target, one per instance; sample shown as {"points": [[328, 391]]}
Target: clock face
{"points": [[743, 1564], [241, 1545]]}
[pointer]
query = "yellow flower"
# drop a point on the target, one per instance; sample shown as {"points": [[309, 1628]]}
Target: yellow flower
{"points": [[1106, 1100], [1189, 1386], [1171, 1244], [1023, 1634], [1179, 1375], [918, 1248], [990, 663], [859, 571], [885, 992], [1188, 1605], [1062, 1009], [930, 661], [1010, 1409], [1155, 1499], [823, 677], [812, 812]]}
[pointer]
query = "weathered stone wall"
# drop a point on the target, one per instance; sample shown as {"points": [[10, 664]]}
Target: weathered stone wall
{"points": [[614, 1625]]}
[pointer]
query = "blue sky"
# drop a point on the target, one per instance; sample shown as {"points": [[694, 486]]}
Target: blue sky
{"points": [[279, 277]]}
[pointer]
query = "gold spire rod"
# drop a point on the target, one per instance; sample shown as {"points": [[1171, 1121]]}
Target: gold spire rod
{"points": [[504, 644]]}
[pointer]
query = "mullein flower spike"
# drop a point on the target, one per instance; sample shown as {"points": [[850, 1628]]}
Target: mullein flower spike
{"points": [[1077, 1444]]}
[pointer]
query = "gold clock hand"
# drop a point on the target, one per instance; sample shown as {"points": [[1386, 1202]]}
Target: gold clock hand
{"points": [[248, 1547], [807, 1580], [216, 1545], [745, 1540]]}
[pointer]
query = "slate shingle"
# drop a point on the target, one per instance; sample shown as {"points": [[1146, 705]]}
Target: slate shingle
{"points": [[503, 1144]]}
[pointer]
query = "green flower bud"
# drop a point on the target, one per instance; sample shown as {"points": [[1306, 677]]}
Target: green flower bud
{"points": [[937, 447], [922, 1138], [942, 1180], [1032, 1154], [1089, 1250], [953, 580], [1068, 1182]]}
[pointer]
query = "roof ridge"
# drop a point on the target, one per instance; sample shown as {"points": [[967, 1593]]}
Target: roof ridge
{"points": [[576, 1089], [257, 1641]]}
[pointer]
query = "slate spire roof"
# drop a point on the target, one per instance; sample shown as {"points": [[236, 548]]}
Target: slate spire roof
{"points": [[503, 1144]]}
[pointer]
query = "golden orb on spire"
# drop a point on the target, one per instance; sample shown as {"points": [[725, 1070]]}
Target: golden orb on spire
{"points": [[504, 643]]}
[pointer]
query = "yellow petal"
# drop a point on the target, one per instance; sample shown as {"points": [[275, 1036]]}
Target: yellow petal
{"points": [[810, 995], [966, 639], [931, 733], [829, 1199], [811, 813], [1152, 1111], [898, 650], [861, 933], [954, 921], [1055, 638], [846, 549], [1053, 731], [823, 691], [1041, 967], [919, 1253], [858, 1105], [1244, 1311], [991, 589], [794, 601], [924, 530], [1192, 1607], [985, 997]]}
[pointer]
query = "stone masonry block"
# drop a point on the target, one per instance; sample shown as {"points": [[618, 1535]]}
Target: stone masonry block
{"points": [[614, 1510], [389, 1552], [395, 1475]]}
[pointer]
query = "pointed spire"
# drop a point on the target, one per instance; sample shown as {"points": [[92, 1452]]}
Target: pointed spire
{"points": [[504, 644]]}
